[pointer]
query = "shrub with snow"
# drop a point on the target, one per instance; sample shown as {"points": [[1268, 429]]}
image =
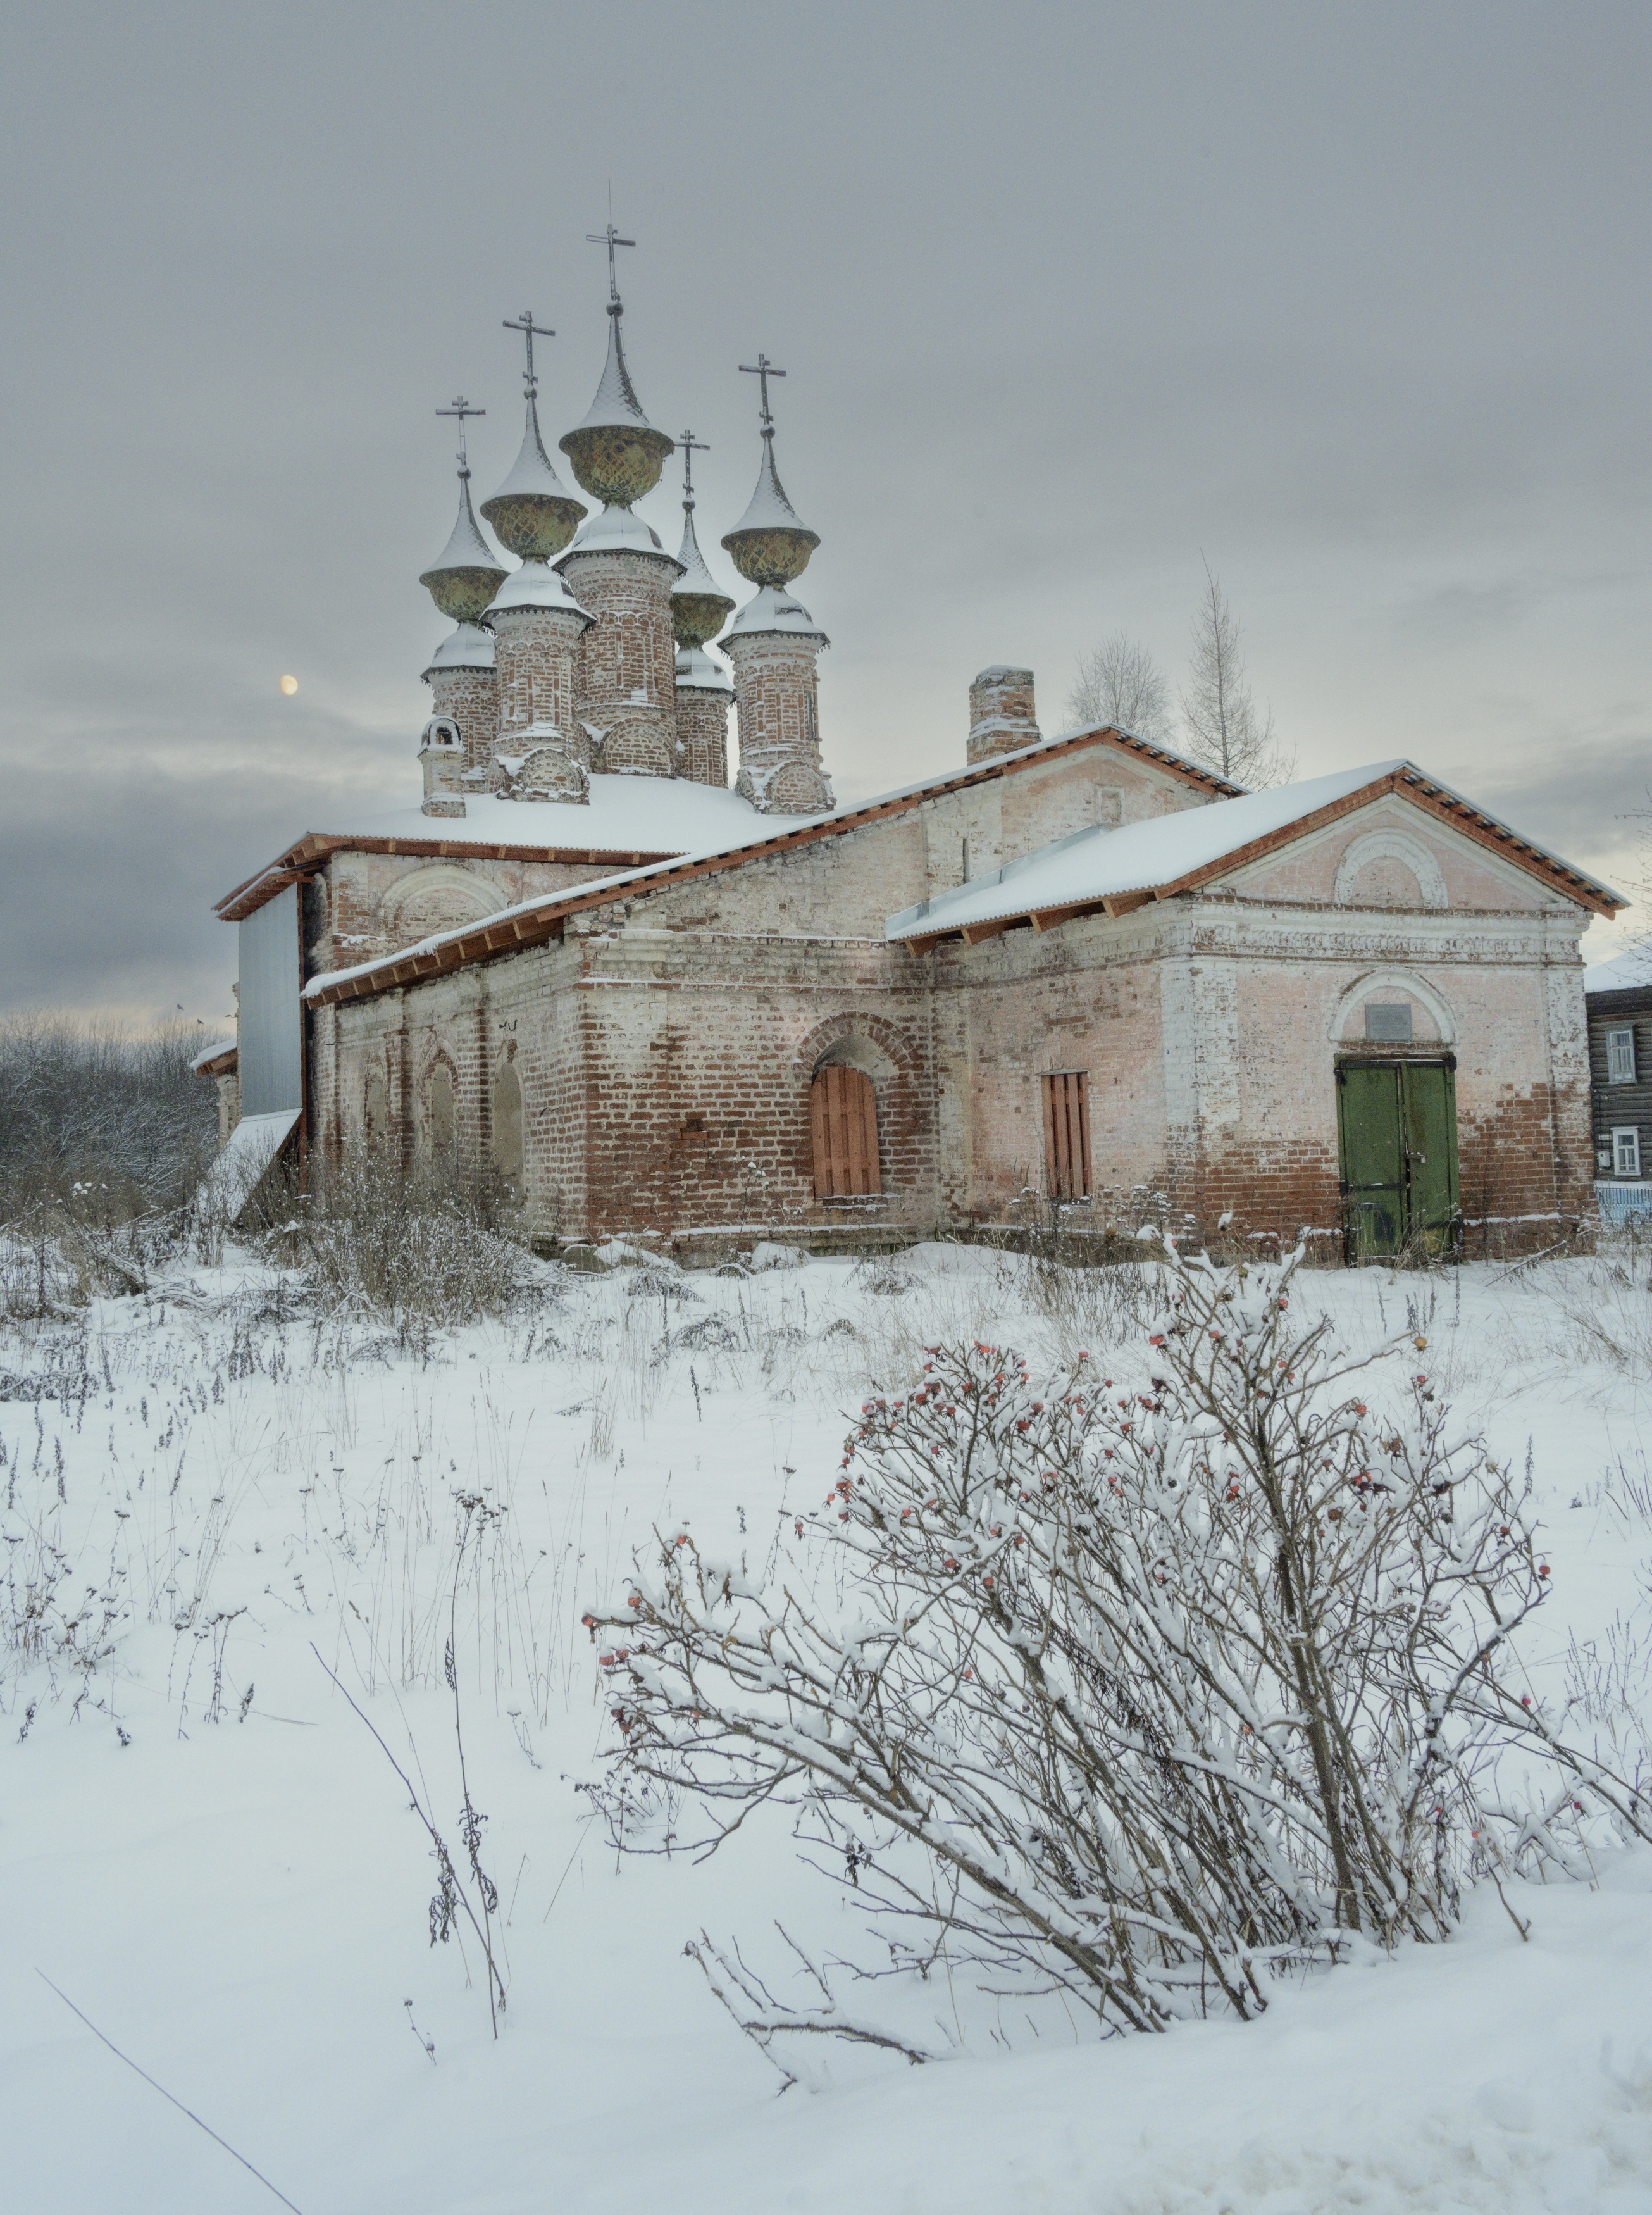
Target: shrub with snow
{"points": [[1136, 1688]]}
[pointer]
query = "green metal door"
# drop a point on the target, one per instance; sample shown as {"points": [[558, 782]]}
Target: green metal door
{"points": [[1430, 1108], [1373, 1156], [1397, 1125]]}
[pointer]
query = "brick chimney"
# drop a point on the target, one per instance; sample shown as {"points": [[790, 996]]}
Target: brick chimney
{"points": [[1003, 716]]}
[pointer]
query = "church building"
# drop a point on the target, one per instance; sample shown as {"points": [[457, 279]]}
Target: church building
{"points": [[1076, 968]]}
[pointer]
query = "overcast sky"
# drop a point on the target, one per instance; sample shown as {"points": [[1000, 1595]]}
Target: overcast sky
{"points": [[1352, 301]]}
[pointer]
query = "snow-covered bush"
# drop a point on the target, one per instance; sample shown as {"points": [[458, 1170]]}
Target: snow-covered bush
{"points": [[1136, 1688], [426, 1244]]}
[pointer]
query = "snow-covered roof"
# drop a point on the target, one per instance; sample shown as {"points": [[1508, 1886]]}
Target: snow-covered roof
{"points": [[469, 646], [616, 530], [616, 405], [211, 1053], [536, 584], [466, 548], [700, 671], [769, 509], [1099, 863], [533, 470], [776, 610], [1623, 973], [696, 577]]}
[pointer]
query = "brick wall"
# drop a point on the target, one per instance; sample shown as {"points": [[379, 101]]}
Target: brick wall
{"points": [[470, 698], [625, 666], [702, 723], [777, 707]]}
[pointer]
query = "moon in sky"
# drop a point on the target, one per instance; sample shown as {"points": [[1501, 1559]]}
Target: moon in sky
{"points": [[289, 685]]}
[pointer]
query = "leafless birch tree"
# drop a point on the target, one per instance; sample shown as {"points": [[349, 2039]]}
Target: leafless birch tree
{"points": [[1118, 682], [1223, 728]]}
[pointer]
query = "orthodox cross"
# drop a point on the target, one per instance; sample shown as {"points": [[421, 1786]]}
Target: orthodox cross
{"points": [[762, 370], [461, 408], [691, 446], [610, 238], [525, 322]]}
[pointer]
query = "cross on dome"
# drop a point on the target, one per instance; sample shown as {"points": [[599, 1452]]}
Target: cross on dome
{"points": [[461, 408], [525, 322], [610, 238], [762, 368], [691, 447]]}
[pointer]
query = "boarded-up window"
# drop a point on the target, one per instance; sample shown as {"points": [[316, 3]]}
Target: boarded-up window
{"points": [[507, 1126], [444, 1111], [1067, 1134], [843, 1106], [375, 1107]]}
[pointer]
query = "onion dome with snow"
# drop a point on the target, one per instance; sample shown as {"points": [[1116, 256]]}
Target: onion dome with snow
{"points": [[616, 452], [769, 544], [699, 607], [466, 573], [775, 609], [536, 584], [470, 647], [533, 513]]}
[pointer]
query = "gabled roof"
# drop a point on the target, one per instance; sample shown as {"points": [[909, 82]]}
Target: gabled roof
{"points": [[533, 922], [1114, 871]]}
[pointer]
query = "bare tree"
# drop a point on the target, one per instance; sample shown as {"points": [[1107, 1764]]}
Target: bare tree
{"points": [[1118, 682], [1223, 726]]}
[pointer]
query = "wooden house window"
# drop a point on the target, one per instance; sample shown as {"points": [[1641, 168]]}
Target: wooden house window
{"points": [[1620, 1056], [843, 1110], [1067, 1134], [1626, 1151]]}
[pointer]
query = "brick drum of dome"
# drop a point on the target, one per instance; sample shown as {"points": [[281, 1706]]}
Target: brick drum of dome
{"points": [[624, 667]]}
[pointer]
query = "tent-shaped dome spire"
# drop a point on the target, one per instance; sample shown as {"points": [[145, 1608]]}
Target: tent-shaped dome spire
{"points": [[533, 511], [616, 452], [770, 544], [699, 607], [466, 573]]}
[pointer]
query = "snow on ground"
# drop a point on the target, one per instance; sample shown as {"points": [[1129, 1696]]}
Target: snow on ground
{"points": [[202, 1845]]}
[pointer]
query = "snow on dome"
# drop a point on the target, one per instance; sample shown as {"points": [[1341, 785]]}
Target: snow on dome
{"points": [[616, 530], [533, 511], [465, 575], [470, 647], [700, 671], [696, 577], [775, 610], [770, 545], [536, 584], [616, 452]]}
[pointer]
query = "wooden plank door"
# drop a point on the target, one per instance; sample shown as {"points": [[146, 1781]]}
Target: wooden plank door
{"points": [[843, 1112], [1067, 1134]]}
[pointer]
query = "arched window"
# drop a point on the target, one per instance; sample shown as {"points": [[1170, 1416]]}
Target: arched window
{"points": [[844, 1109], [507, 1126], [442, 1110]]}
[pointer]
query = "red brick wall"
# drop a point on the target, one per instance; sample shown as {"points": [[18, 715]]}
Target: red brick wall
{"points": [[470, 696], [703, 725], [625, 666], [777, 707]]}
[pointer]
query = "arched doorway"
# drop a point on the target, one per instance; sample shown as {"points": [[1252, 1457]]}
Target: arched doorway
{"points": [[843, 1115]]}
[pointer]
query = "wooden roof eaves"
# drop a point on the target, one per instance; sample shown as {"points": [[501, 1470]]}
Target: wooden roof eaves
{"points": [[1410, 785], [318, 846]]}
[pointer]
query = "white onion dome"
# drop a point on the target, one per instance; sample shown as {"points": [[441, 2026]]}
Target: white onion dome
{"points": [[700, 671], [616, 531], [774, 610], [536, 584], [533, 512], [616, 452], [466, 573], [470, 647], [770, 545], [699, 607]]}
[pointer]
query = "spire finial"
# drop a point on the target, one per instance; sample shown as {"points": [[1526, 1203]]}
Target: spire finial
{"points": [[610, 238], [691, 447], [762, 368], [531, 330], [461, 408]]}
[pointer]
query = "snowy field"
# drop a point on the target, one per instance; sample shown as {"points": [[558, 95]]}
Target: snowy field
{"points": [[212, 1498]]}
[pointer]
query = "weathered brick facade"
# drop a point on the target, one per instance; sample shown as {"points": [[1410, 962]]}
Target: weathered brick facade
{"points": [[666, 1043], [777, 707], [469, 698], [625, 666], [702, 726]]}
